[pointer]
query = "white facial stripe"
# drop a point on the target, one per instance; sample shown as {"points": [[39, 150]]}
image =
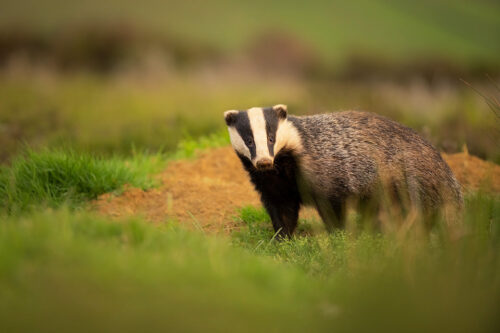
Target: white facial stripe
{"points": [[238, 143], [258, 124], [288, 137]]}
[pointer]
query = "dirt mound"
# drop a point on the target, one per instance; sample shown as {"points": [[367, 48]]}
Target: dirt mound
{"points": [[474, 173], [206, 192]]}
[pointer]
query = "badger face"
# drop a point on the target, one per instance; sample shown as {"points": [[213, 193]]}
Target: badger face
{"points": [[258, 134]]}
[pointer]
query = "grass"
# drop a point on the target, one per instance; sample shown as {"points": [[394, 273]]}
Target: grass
{"points": [[481, 218], [83, 272], [389, 280], [188, 147], [110, 115], [492, 100], [53, 177], [73, 270], [56, 177]]}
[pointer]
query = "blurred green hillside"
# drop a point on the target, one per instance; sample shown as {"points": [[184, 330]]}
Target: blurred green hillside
{"points": [[462, 31]]}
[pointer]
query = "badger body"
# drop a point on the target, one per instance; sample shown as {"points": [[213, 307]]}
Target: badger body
{"points": [[328, 159]]}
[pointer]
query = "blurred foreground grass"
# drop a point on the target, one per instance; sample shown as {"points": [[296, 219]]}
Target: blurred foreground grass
{"points": [[61, 270]]}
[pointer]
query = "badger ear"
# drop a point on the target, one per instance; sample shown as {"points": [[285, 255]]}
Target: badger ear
{"points": [[230, 117], [281, 110]]}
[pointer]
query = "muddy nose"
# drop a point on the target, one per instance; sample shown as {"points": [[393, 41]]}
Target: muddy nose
{"points": [[264, 163]]}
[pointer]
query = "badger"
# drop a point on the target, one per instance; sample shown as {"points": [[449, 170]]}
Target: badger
{"points": [[325, 160]]}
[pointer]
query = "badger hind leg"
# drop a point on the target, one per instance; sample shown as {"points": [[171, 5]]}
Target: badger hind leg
{"points": [[332, 212]]}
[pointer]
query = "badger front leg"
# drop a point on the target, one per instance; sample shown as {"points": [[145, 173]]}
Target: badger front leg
{"points": [[284, 216]]}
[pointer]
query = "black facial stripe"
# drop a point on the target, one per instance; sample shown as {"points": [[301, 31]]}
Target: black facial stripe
{"points": [[272, 122], [244, 129]]}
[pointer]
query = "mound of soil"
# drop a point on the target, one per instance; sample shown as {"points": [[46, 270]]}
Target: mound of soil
{"points": [[474, 173], [207, 192]]}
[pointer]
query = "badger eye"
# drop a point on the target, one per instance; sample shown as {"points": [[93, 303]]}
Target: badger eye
{"points": [[271, 139], [249, 142]]}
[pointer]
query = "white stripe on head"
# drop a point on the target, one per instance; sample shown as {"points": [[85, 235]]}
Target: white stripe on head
{"points": [[238, 143], [258, 124], [287, 137]]}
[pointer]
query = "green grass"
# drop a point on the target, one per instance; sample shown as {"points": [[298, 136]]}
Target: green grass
{"points": [[189, 147], [55, 177], [73, 270], [328, 252], [68, 269], [83, 272]]}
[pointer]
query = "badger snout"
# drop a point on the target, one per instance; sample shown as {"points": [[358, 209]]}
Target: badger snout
{"points": [[264, 164]]}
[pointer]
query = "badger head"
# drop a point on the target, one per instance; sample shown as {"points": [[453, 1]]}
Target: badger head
{"points": [[259, 134]]}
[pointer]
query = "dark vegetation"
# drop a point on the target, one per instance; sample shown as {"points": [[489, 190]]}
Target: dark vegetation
{"points": [[103, 48], [97, 47]]}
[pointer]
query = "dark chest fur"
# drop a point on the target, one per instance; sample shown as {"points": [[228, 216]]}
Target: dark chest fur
{"points": [[279, 184]]}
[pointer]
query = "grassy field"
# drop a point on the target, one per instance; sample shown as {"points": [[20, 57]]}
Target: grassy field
{"points": [[98, 97], [115, 114], [64, 267], [104, 114]]}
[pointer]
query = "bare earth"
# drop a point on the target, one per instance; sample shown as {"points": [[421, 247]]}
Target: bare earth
{"points": [[207, 192]]}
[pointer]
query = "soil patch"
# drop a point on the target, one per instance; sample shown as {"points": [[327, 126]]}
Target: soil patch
{"points": [[207, 192], [474, 173]]}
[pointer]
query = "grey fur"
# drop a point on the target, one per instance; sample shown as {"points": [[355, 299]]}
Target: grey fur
{"points": [[347, 153]]}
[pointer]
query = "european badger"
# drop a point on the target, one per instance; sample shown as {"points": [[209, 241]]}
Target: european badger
{"points": [[327, 159]]}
